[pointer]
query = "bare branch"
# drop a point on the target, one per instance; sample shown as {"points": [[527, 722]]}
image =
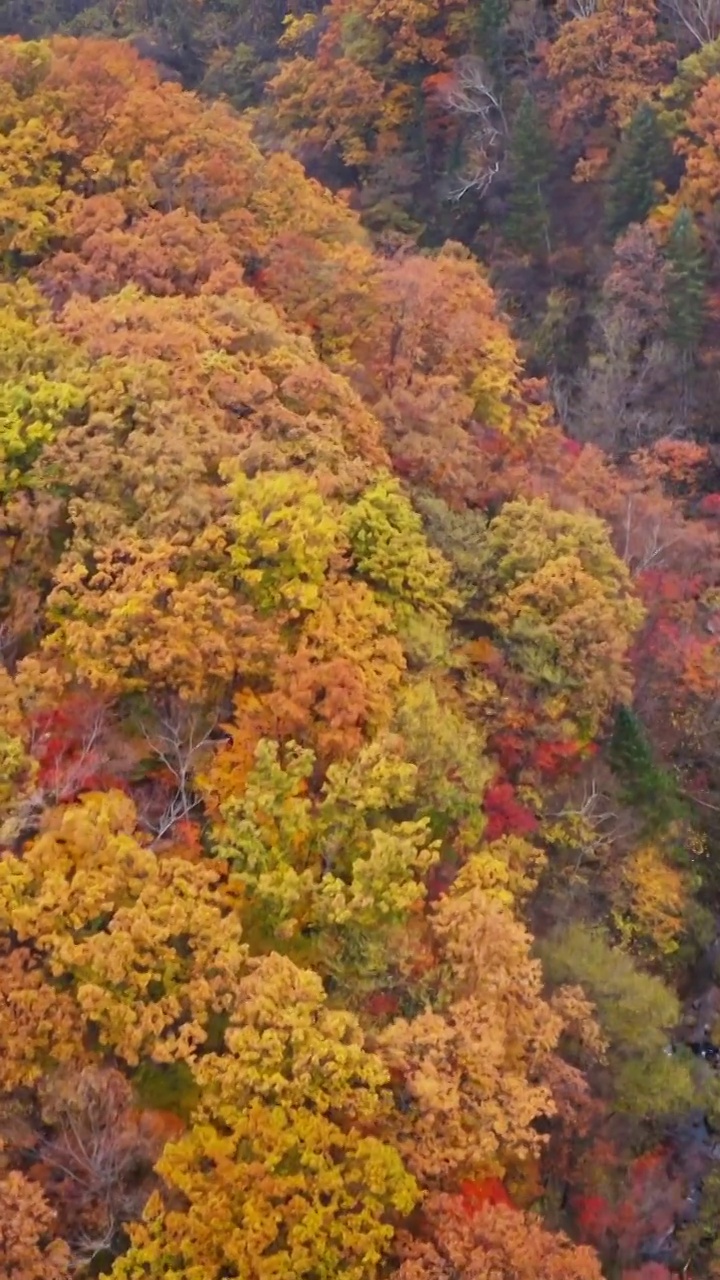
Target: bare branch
{"points": [[179, 738], [582, 8], [471, 95], [700, 18]]}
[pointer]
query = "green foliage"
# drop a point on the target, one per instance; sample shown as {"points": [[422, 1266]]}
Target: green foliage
{"points": [[636, 1011], [489, 20], [448, 750], [639, 161], [687, 274], [343, 865], [166, 1087], [390, 549], [700, 1240], [644, 784], [530, 160]]}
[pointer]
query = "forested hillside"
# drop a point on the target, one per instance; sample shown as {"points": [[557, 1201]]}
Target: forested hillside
{"points": [[360, 639]]}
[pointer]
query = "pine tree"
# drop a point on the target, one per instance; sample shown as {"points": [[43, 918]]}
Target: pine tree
{"points": [[644, 783], [686, 283], [490, 26], [642, 154], [630, 754], [530, 159]]}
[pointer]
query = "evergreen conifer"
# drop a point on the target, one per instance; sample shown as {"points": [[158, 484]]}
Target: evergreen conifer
{"points": [[530, 159], [686, 283], [641, 156]]}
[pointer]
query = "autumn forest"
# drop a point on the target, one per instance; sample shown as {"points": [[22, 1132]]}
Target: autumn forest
{"points": [[359, 639]]}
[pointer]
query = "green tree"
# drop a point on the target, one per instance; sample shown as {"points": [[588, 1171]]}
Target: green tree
{"points": [[644, 784], [640, 158], [636, 1011], [686, 283], [490, 21], [339, 869], [530, 159]]}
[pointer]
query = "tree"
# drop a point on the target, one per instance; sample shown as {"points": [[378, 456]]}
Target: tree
{"points": [[700, 19], [699, 143], [644, 783], [471, 94], [685, 283], [628, 390], [146, 948], [638, 162], [28, 1250], [556, 590], [44, 383], [605, 64], [284, 536], [151, 613], [95, 1157], [280, 1172], [636, 1011], [496, 1243], [530, 161], [391, 551], [338, 865], [490, 23], [468, 1069]]}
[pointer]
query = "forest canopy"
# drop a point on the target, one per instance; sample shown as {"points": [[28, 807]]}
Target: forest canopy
{"points": [[359, 633]]}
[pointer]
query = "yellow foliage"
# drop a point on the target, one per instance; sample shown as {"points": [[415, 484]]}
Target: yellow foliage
{"points": [[284, 535], [149, 948], [656, 896], [279, 1175]]}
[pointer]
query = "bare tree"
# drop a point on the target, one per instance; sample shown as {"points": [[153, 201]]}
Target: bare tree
{"points": [[96, 1162], [180, 738], [582, 8], [471, 95], [700, 18]]}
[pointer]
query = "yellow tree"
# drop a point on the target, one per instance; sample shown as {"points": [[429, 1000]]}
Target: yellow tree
{"points": [[43, 382], [283, 537], [338, 863], [470, 1066], [146, 949], [281, 1174], [562, 604], [152, 614], [390, 550]]}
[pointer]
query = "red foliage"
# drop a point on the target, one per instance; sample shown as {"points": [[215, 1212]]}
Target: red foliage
{"points": [[505, 814], [477, 1193], [594, 1216], [645, 1207], [658, 585], [381, 1004], [554, 758], [710, 505], [573, 447], [67, 743], [510, 748]]}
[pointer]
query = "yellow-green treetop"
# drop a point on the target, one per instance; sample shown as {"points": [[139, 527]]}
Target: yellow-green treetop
{"points": [[281, 1173]]}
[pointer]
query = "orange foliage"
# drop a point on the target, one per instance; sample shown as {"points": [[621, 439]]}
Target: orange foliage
{"points": [[605, 64]]}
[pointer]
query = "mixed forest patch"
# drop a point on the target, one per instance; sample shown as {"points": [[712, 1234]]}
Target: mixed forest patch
{"points": [[360, 640]]}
